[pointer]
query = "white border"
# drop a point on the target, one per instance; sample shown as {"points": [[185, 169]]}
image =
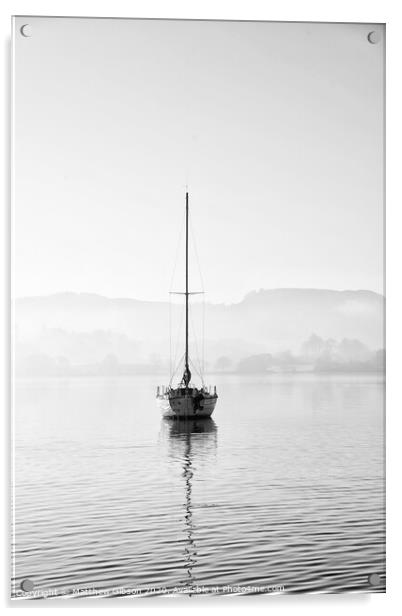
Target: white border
{"points": [[288, 10]]}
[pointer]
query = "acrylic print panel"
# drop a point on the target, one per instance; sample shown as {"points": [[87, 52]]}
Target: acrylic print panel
{"points": [[198, 314]]}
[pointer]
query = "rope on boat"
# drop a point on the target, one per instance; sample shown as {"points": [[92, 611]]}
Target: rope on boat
{"points": [[196, 346], [197, 371], [170, 336], [194, 244], [177, 252], [175, 370], [171, 363], [203, 335], [173, 367], [178, 335]]}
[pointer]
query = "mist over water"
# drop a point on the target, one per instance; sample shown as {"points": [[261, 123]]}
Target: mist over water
{"points": [[283, 487]]}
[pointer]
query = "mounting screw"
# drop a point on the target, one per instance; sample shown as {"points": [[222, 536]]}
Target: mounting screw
{"points": [[373, 37], [26, 30], [374, 579], [27, 585]]}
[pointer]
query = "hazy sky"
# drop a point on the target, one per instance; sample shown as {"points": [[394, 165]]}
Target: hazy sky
{"points": [[277, 129]]}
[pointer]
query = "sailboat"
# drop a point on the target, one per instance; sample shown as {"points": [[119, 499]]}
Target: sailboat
{"points": [[186, 400]]}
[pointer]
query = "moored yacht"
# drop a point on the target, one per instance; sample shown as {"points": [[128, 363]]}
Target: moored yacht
{"points": [[186, 400]]}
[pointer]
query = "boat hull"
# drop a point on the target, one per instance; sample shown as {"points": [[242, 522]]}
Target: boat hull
{"points": [[186, 406]]}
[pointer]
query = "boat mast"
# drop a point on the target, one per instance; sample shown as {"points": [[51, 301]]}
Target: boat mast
{"points": [[186, 366]]}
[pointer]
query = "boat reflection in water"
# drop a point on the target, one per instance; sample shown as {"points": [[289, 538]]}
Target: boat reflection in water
{"points": [[191, 443]]}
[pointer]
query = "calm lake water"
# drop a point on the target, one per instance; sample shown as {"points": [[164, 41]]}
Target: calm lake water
{"points": [[284, 488]]}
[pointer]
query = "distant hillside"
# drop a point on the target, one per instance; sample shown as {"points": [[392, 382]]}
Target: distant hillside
{"points": [[286, 317], [85, 327]]}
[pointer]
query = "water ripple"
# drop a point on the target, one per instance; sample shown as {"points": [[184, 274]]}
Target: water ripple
{"points": [[288, 491]]}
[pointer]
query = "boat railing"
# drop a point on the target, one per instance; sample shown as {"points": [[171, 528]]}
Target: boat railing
{"points": [[162, 390]]}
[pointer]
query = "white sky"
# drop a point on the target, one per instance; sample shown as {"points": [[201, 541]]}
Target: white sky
{"points": [[277, 129]]}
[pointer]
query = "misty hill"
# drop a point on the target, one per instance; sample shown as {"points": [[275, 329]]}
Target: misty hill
{"points": [[85, 328]]}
